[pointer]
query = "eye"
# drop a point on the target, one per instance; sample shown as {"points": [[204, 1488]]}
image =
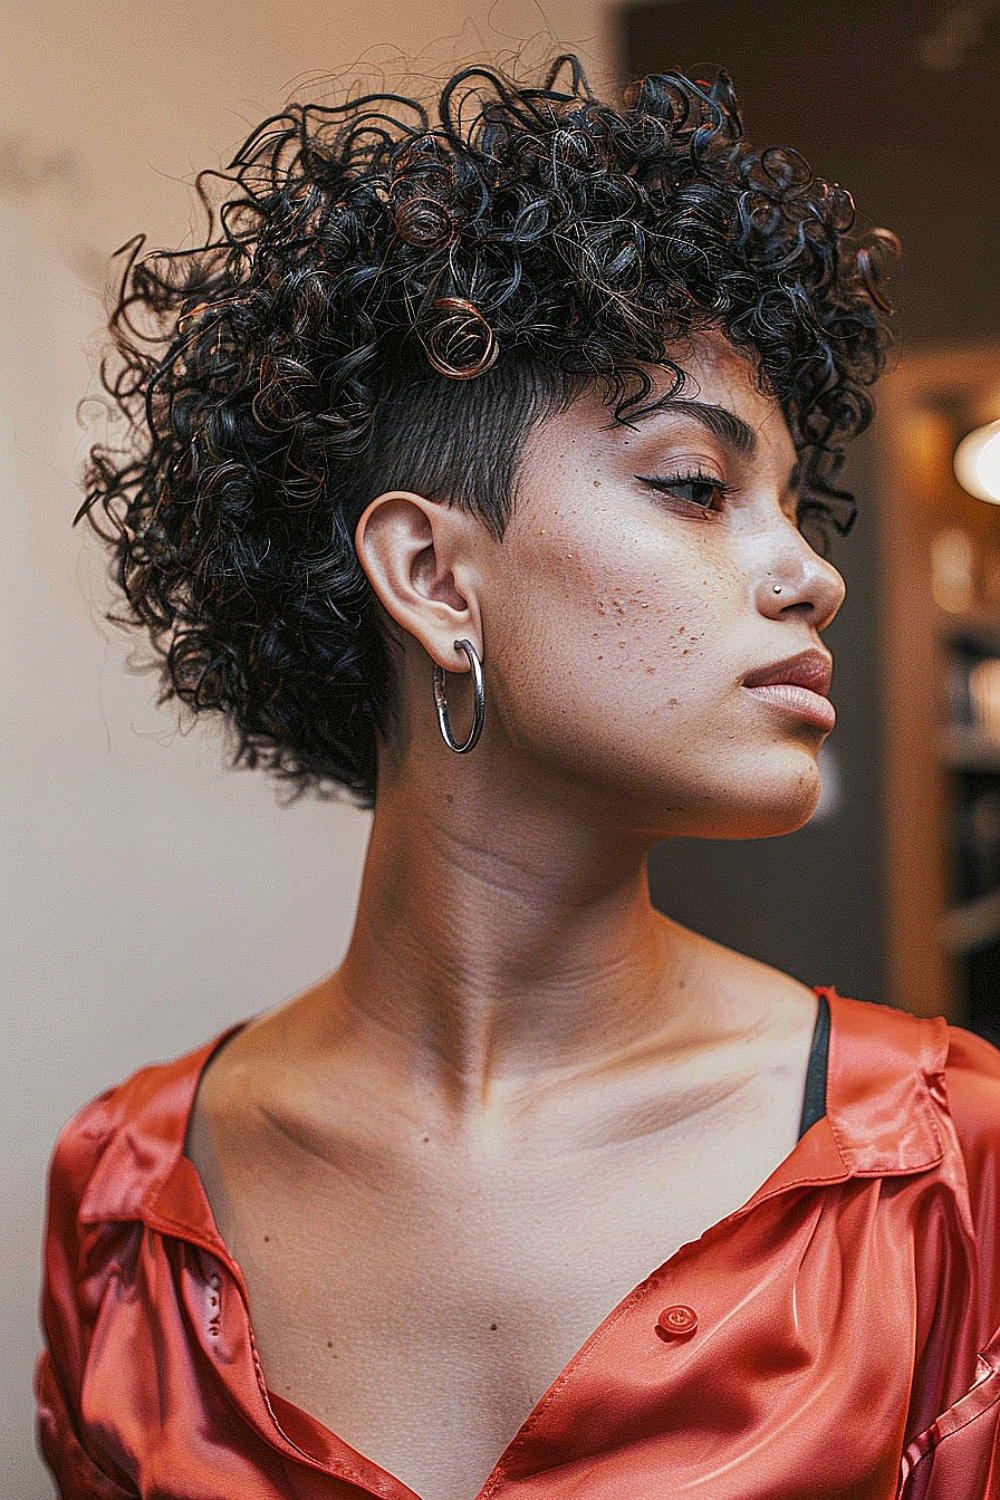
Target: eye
{"points": [[699, 489]]}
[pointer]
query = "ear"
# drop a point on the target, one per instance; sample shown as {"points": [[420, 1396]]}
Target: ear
{"points": [[418, 555]]}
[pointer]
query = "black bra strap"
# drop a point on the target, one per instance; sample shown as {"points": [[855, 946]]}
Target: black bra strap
{"points": [[814, 1103]]}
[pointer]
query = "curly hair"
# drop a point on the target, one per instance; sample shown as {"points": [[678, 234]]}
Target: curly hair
{"points": [[385, 301]]}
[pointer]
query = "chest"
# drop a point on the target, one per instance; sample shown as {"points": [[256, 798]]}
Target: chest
{"points": [[420, 1310]]}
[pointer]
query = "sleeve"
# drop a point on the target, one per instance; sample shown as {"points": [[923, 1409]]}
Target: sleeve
{"points": [[77, 1475], [958, 1456], [972, 1079], [68, 1299]]}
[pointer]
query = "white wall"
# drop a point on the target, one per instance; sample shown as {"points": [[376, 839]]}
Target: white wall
{"points": [[148, 895]]}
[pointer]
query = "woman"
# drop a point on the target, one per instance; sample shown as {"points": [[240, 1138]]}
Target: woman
{"points": [[481, 468]]}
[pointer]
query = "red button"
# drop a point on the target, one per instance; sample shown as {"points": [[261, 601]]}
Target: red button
{"points": [[678, 1321]]}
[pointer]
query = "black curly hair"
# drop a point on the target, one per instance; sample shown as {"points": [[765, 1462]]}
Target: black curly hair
{"points": [[385, 300]]}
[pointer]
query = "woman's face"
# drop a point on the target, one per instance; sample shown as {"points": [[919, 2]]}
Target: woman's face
{"points": [[634, 593]]}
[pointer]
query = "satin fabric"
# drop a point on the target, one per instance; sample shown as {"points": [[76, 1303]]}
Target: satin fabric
{"points": [[846, 1346]]}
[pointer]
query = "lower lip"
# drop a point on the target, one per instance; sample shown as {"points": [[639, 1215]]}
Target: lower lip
{"points": [[801, 701]]}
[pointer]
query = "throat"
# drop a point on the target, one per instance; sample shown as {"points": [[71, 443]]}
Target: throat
{"points": [[501, 993]]}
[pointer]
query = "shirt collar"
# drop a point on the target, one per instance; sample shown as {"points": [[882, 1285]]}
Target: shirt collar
{"points": [[142, 1173], [881, 1117]]}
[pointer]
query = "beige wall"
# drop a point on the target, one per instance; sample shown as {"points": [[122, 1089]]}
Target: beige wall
{"points": [[148, 896]]}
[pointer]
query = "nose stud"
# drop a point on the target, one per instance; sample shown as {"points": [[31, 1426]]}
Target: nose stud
{"points": [[776, 587]]}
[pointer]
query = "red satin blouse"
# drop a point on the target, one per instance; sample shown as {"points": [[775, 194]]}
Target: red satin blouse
{"points": [[837, 1336]]}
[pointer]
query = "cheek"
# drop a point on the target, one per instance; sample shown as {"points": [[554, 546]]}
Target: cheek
{"points": [[628, 630], [659, 633]]}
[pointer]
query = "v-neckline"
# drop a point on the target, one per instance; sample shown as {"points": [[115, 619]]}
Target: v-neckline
{"points": [[305, 1433]]}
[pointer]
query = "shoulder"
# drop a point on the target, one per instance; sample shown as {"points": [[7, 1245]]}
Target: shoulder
{"points": [[903, 1076], [109, 1165], [79, 1149], [968, 1064], [108, 1160], [111, 1152], [972, 1085], [973, 1064], [958, 1073]]}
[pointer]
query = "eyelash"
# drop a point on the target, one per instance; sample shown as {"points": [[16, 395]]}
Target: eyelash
{"points": [[676, 481]]}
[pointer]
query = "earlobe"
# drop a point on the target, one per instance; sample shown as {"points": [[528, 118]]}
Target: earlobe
{"points": [[414, 552]]}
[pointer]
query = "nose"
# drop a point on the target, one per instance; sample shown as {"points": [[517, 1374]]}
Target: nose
{"points": [[795, 578]]}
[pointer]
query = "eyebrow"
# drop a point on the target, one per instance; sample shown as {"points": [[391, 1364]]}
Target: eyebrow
{"points": [[719, 420]]}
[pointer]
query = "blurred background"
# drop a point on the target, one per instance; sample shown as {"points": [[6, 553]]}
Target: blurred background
{"points": [[149, 896]]}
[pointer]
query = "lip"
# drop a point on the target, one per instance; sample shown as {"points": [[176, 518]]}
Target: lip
{"points": [[810, 669], [799, 685]]}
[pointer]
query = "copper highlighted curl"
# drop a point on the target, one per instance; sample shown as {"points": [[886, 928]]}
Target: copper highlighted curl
{"points": [[461, 344]]}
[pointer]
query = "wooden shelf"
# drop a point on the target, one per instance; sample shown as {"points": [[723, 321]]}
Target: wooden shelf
{"points": [[969, 750], [982, 627], [926, 405], [972, 925]]}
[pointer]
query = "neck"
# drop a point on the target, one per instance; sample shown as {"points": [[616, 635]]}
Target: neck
{"points": [[502, 940]]}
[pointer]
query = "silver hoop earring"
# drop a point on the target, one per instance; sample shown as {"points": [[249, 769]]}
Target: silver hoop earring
{"points": [[479, 701]]}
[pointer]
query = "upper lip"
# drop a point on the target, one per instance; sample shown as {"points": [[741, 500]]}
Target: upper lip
{"points": [[810, 669]]}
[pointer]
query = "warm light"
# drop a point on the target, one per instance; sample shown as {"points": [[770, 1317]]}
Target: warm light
{"points": [[977, 463], [984, 690], [953, 560]]}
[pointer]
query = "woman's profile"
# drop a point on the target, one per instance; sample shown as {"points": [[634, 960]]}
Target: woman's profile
{"points": [[481, 464]]}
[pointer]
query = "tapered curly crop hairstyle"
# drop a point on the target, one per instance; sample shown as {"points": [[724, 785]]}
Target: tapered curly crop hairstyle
{"points": [[389, 299]]}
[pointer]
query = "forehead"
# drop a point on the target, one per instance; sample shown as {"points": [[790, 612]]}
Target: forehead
{"points": [[720, 393]]}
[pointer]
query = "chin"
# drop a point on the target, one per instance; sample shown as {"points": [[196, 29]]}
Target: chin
{"points": [[789, 809], [763, 807]]}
